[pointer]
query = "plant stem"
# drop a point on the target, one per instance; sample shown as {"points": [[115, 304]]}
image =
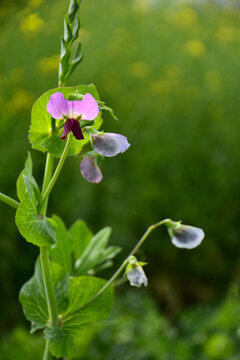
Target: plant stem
{"points": [[44, 257], [120, 269], [45, 264], [46, 351], [9, 201], [46, 181], [56, 173]]}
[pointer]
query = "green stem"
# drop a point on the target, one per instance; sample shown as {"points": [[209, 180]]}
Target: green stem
{"points": [[120, 269], [44, 257], [46, 181], [9, 201], [45, 264], [56, 173], [46, 351]]}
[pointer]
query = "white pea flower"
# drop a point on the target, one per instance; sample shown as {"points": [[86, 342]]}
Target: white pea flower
{"points": [[136, 276], [135, 272], [185, 236]]}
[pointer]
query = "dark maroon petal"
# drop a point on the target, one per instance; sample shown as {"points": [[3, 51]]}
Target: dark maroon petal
{"points": [[77, 132], [67, 128], [89, 170]]}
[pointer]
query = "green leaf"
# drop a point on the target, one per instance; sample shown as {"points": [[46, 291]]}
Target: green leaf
{"points": [[61, 252], [33, 299], [64, 59], [73, 8], [21, 188], [102, 106], [75, 28], [41, 135], [77, 58], [92, 254], [32, 190], [35, 229], [67, 35], [81, 290], [110, 252], [26, 182], [81, 237]]}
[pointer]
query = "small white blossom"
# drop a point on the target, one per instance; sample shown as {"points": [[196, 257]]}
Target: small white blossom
{"points": [[186, 236], [136, 276]]}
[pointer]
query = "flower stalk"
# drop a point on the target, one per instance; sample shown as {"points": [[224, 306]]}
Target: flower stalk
{"points": [[9, 201], [120, 269], [56, 173]]}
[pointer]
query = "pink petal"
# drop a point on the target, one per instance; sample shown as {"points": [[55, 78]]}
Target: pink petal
{"points": [[89, 170], [57, 106], [87, 107]]}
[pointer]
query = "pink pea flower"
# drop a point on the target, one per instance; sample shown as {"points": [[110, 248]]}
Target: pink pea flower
{"points": [[73, 111]]}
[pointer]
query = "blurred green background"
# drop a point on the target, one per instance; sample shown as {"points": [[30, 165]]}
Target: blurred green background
{"points": [[171, 72]]}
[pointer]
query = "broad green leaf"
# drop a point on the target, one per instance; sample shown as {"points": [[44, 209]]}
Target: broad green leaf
{"points": [[32, 190], [61, 253], [81, 237], [33, 299], [21, 188], [35, 229], [92, 254], [41, 134], [81, 290]]}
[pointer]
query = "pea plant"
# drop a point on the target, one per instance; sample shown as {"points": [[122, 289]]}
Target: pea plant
{"points": [[64, 296]]}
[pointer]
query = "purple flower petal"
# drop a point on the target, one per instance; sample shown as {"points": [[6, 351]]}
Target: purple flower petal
{"points": [[58, 107], [89, 170], [110, 144], [77, 132]]}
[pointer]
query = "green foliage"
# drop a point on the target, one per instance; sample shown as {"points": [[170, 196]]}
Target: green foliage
{"points": [[27, 171], [33, 227], [78, 251], [96, 253], [81, 290], [180, 112], [71, 48], [194, 334], [62, 252], [33, 299], [81, 237], [72, 296], [45, 137]]}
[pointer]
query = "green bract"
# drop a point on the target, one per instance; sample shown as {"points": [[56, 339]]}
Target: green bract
{"points": [[45, 132]]}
